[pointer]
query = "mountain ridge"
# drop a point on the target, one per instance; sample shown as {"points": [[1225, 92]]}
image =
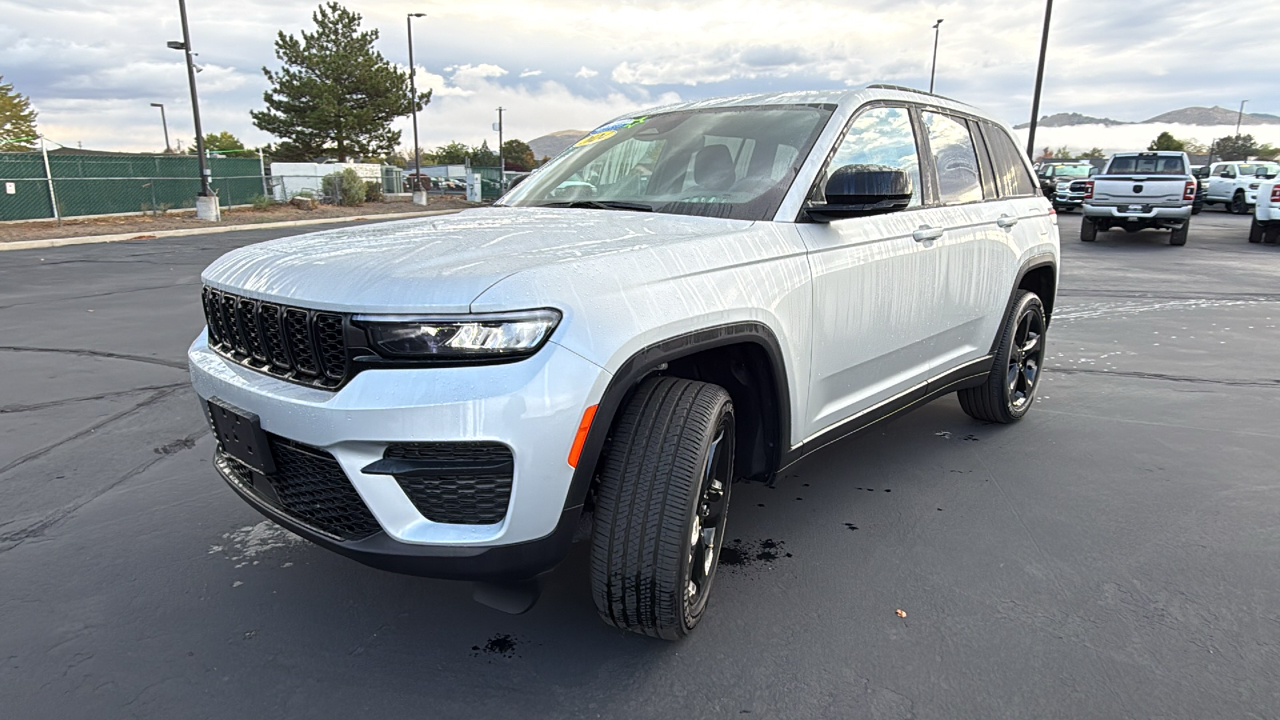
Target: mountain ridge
{"points": [[1193, 115]]}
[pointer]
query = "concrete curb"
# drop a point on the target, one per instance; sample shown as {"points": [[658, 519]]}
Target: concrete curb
{"points": [[92, 239]]}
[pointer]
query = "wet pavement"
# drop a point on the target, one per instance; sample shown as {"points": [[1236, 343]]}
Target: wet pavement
{"points": [[1113, 555]]}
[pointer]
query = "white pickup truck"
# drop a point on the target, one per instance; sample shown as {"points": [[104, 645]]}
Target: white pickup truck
{"points": [[1235, 184], [1266, 214], [1140, 190]]}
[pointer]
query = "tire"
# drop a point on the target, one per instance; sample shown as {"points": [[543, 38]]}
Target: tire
{"points": [[1088, 230], [1255, 231], [1010, 388], [667, 474], [1271, 234], [1239, 205], [1179, 235], [1196, 210]]}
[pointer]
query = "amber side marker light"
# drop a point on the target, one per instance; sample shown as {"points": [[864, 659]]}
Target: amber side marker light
{"points": [[581, 438]]}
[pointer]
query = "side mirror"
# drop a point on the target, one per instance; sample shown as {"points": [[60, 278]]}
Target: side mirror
{"points": [[1093, 171], [857, 190], [516, 181], [1225, 174]]}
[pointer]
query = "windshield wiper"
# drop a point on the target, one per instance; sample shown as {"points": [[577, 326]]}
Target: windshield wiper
{"points": [[600, 205]]}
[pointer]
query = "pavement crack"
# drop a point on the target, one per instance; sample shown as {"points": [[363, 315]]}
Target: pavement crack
{"points": [[93, 295], [41, 452], [1264, 383], [5, 409], [11, 540], [97, 353]]}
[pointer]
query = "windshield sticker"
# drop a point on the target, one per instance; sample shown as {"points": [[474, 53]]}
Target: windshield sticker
{"points": [[607, 131], [596, 137]]}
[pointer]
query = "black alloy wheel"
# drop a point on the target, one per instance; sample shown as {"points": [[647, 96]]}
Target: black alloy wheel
{"points": [[1026, 356], [706, 531], [1009, 390], [661, 506]]}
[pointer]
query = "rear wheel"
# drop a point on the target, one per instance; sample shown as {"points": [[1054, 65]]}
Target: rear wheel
{"points": [[1239, 204], [1010, 388], [1255, 231], [1088, 230], [1179, 236], [661, 507]]}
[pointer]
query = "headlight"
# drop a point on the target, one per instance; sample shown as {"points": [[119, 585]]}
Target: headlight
{"points": [[452, 337]]}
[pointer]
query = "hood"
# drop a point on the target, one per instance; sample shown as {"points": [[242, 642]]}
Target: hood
{"points": [[439, 264]]}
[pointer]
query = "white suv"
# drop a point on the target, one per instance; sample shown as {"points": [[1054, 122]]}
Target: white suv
{"points": [[687, 297]]}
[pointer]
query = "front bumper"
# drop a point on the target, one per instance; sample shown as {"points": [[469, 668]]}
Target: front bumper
{"points": [[532, 406], [1068, 199]]}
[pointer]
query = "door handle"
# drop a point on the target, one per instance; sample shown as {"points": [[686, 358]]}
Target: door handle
{"points": [[926, 233], [1006, 221]]}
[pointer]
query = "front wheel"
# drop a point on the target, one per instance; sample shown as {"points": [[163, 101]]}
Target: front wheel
{"points": [[661, 507], [1239, 204], [1011, 385]]}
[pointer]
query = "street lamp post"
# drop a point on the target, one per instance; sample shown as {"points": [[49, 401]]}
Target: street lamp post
{"points": [[165, 124], [206, 201], [419, 197], [934, 69], [502, 165], [1035, 101], [1239, 117]]}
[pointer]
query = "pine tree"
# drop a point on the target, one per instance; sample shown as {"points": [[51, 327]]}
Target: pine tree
{"points": [[334, 93], [17, 120]]}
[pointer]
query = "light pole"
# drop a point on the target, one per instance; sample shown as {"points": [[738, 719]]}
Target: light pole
{"points": [[934, 68], [206, 201], [1239, 117], [419, 197], [502, 165], [165, 123], [1035, 101]]}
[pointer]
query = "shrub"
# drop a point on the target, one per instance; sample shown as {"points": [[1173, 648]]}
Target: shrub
{"points": [[346, 187], [373, 191], [261, 202]]}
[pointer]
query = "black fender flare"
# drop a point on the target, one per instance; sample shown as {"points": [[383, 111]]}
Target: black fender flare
{"points": [[1039, 260], [652, 357]]}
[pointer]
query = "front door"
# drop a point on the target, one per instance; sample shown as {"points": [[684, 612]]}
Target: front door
{"points": [[872, 296]]}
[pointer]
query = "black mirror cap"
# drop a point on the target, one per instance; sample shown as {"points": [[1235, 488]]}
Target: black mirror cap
{"points": [[854, 190]]}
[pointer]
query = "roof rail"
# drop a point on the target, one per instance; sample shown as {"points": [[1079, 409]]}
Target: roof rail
{"points": [[903, 88]]}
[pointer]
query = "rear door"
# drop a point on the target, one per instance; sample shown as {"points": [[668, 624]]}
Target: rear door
{"points": [[978, 254]]}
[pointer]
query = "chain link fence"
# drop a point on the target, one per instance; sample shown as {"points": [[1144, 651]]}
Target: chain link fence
{"points": [[84, 185]]}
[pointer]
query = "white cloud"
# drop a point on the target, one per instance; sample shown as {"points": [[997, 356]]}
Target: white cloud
{"points": [[92, 71]]}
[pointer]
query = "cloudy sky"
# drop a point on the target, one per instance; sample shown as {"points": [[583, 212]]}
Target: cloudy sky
{"points": [[92, 68]]}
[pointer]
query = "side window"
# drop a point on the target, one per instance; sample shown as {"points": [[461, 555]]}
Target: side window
{"points": [[882, 136], [984, 163], [954, 157], [1011, 171]]}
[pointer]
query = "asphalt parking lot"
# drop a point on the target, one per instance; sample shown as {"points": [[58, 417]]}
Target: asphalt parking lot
{"points": [[1114, 555]]}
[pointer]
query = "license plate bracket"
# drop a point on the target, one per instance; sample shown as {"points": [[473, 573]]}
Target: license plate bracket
{"points": [[241, 436]]}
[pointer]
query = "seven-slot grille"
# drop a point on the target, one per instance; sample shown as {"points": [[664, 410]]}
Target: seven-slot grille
{"points": [[304, 346]]}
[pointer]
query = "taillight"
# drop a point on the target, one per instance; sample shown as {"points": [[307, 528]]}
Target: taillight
{"points": [[1088, 189], [1275, 193], [1189, 192]]}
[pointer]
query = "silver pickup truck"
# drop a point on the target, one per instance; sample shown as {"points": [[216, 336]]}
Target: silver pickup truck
{"points": [[1141, 190]]}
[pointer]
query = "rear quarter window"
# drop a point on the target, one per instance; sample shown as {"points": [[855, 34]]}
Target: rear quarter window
{"points": [[1011, 172]]}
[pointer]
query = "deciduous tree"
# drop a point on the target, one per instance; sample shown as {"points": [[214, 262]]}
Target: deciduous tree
{"points": [[1166, 141]]}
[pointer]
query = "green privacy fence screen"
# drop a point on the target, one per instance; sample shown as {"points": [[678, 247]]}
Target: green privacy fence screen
{"points": [[106, 184]]}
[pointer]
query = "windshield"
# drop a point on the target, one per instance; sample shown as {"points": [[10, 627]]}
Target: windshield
{"points": [[721, 162], [1251, 169], [1148, 165], [1072, 171]]}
